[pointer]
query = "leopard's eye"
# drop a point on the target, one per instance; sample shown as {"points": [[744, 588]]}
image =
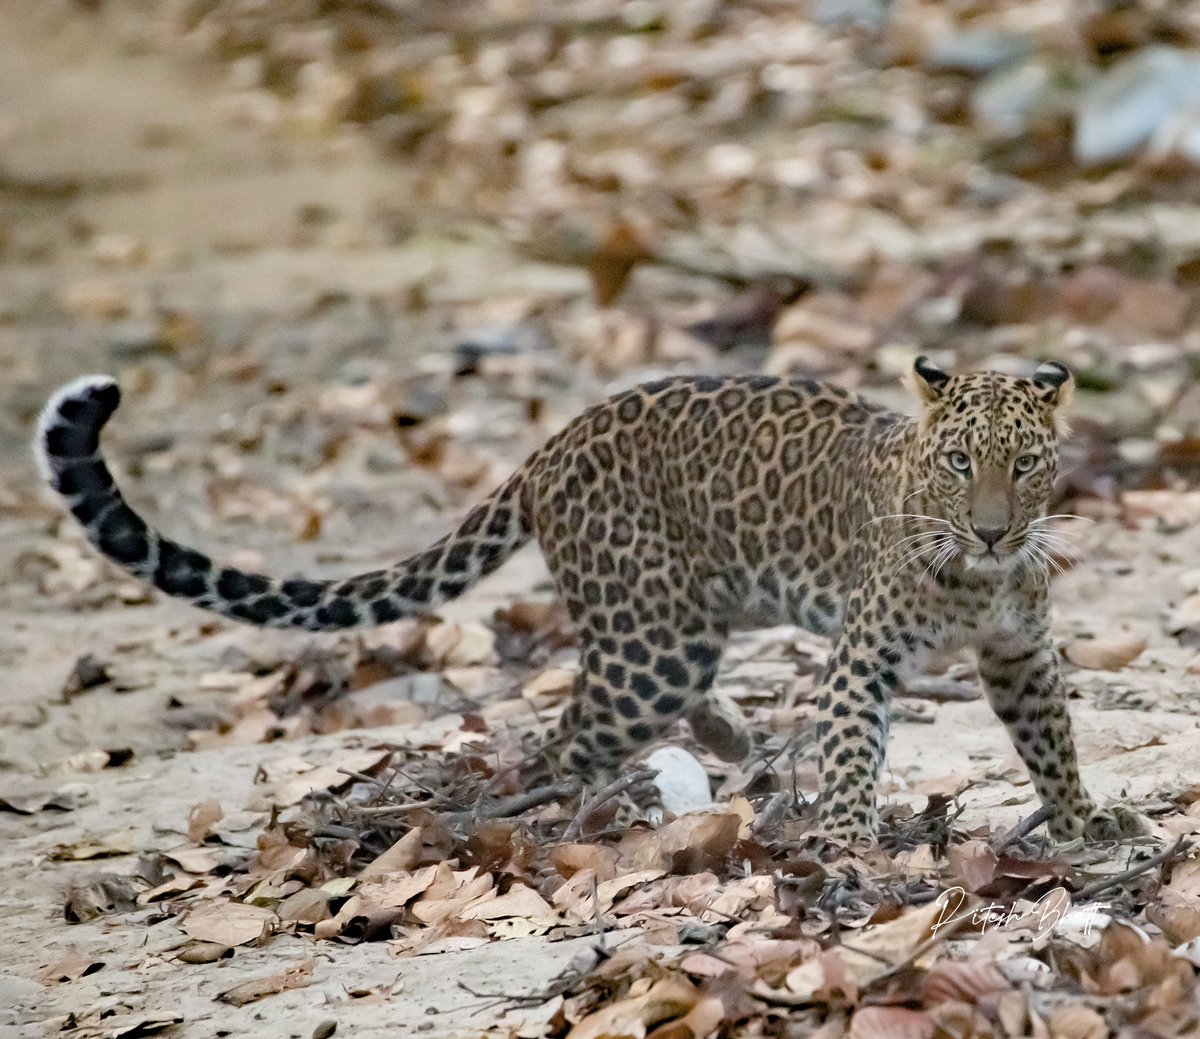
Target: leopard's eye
{"points": [[1025, 464], [959, 461]]}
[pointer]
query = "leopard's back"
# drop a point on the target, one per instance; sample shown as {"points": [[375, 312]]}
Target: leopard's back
{"points": [[761, 485]]}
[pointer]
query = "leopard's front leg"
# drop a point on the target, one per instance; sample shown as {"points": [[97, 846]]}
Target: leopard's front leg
{"points": [[874, 648], [1024, 685]]}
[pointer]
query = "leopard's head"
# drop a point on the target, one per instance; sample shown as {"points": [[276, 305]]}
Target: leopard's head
{"points": [[987, 456]]}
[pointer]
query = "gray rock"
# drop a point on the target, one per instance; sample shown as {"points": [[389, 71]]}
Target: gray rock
{"points": [[976, 51], [1006, 102], [1120, 112]]}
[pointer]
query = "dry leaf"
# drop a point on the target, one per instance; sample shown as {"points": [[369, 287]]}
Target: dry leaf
{"points": [[700, 839], [621, 249], [229, 923], [399, 858], [963, 982], [72, 965], [890, 1023], [1105, 653], [867, 953], [449, 644], [249, 991], [974, 864], [1077, 1022], [634, 1017], [202, 818]]}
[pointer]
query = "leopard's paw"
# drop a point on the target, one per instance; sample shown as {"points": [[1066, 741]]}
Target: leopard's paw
{"points": [[719, 725], [1115, 823]]}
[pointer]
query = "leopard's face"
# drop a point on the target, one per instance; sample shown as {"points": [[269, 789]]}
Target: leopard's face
{"points": [[988, 456]]}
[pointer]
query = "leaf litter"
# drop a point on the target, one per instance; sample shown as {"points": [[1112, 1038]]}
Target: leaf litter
{"points": [[922, 206]]}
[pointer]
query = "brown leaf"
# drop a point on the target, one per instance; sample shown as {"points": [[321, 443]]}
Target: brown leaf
{"points": [[399, 858], [308, 906], [967, 982], [867, 953], [1105, 653], [229, 923], [685, 845], [203, 952], [249, 991], [667, 998], [202, 818], [890, 1023], [974, 864], [1077, 1022], [74, 964], [620, 250]]}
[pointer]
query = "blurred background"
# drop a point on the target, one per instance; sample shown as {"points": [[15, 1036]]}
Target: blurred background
{"points": [[337, 236], [353, 261]]}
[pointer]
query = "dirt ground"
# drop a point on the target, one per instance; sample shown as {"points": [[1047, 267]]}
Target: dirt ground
{"points": [[238, 285]]}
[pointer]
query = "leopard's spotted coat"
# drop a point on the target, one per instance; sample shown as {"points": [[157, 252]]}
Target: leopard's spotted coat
{"points": [[675, 511]]}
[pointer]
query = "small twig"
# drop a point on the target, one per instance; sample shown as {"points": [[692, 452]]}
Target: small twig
{"points": [[773, 811], [941, 689], [1091, 890], [767, 764], [519, 803], [603, 796], [1024, 828], [362, 777]]}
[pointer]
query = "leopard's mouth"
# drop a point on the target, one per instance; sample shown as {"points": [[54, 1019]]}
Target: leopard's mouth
{"points": [[991, 558]]}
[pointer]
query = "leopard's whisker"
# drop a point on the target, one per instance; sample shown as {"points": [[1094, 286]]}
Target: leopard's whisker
{"points": [[1037, 520]]}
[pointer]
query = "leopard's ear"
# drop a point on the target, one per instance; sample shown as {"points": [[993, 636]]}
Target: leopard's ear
{"points": [[1054, 384], [927, 380]]}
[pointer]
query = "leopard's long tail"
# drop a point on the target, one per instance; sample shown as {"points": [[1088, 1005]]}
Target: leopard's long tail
{"points": [[68, 450]]}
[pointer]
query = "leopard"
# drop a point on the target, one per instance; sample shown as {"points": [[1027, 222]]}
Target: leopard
{"points": [[676, 512]]}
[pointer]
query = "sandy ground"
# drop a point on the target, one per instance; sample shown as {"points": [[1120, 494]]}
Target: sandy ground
{"points": [[150, 154]]}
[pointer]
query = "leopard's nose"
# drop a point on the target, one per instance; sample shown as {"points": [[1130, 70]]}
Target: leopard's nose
{"points": [[989, 535]]}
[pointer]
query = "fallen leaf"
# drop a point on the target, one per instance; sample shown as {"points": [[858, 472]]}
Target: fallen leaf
{"points": [[890, 1023], [450, 644], [1077, 1022], [399, 858], [229, 923], [1105, 653], [974, 864], [202, 818], [120, 842], [249, 991], [666, 999], [867, 953], [72, 965]]}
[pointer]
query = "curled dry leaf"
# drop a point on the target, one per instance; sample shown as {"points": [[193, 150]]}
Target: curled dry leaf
{"points": [[967, 982], [1173, 509], [450, 644], [569, 859], [1077, 1022], [550, 686], [974, 864], [666, 999], [1105, 653], [229, 923], [701, 838], [868, 954], [202, 818], [203, 952], [399, 858], [890, 1023], [249, 991]]}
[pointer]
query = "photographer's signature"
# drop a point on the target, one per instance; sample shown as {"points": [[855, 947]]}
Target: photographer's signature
{"points": [[1042, 916]]}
